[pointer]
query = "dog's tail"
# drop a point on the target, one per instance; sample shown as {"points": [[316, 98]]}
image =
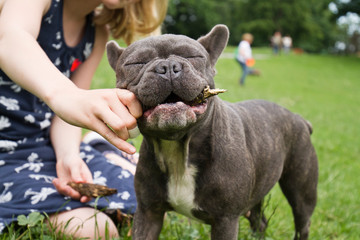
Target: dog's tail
{"points": [[309, 125]]}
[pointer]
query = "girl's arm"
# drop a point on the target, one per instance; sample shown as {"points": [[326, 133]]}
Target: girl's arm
{"points": [[70, 167], [23, 60], [66, 138]]}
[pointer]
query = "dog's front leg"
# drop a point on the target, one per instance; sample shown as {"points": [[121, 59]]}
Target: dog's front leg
{"points": [[147, 224], [225, 228]]}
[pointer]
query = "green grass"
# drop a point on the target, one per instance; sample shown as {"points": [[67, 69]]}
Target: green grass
{"points": [[326, 91]]}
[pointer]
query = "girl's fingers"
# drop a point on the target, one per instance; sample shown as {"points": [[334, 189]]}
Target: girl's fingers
{"points": [[65, 190], [118, 120], [85, 199], [113, 138], [130, 101], [127, 108], [76, 175]]}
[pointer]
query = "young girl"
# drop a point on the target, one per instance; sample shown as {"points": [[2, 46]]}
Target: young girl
{"points": [[244, 57], [43, 44]]}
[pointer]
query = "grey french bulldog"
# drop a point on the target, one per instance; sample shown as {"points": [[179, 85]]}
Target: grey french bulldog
{"points": [[213, 161]]}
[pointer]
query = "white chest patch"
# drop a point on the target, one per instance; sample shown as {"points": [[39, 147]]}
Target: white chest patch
{"points": [[172, 157], [181, 192]]}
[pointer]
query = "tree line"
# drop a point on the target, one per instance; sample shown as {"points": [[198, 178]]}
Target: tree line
{"points": [[310, 23]]}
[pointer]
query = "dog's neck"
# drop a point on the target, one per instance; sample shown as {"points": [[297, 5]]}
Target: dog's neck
{"points": [[172, 157]]}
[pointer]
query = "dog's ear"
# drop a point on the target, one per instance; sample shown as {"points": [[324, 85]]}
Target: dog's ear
{"points": [[215, 42], [113, 51]]}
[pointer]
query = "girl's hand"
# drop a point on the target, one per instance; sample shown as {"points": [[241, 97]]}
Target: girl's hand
{"points": [[110, 112], [72, 170]]}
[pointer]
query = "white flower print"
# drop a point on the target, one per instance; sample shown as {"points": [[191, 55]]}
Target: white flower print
{"points": [[58, 35], [16, 88], [87, 148], [72, 59], [33, 156], [2, 163], [46, 178], [86, 157], [34, 164], [67, 73], [124, 174], [46, 122], [22, 141], [7, 145], [4, 122], [116, 205], [98, 179], [6, 196], [57, 46], [124, 195], [29, 118], [57, 62], [39, 196], [56, 3], [87, 50], [9, 103], [40, 139], [48, 115], [48, 19]]}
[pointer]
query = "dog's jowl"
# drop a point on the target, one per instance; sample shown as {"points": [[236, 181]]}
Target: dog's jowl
{"points": [[210, 160]]}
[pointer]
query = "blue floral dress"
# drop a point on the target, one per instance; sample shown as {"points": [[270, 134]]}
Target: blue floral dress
{"points": [[27, 158]]}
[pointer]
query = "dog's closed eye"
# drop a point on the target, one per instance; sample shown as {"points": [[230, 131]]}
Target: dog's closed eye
{"points": [[135, 63], [189, 57], [197, 61]]}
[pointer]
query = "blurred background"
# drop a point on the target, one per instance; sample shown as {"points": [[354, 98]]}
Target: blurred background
{"points": [[315, 26]]}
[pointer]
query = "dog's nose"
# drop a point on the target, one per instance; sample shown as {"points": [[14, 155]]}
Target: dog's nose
{"points": [[176, 69], [169, 69]]}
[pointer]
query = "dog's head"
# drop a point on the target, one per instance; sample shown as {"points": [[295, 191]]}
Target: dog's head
{"points": [[166, 73]]}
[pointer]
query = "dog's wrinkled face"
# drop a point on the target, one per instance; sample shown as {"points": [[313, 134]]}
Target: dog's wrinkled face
{"points": [[166, 73]]}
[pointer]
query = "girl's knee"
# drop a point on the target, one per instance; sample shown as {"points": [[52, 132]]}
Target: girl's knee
{"points": [[84, 223]]}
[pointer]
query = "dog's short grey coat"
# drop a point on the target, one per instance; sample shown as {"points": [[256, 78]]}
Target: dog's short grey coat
{"points": [[215, 161]]}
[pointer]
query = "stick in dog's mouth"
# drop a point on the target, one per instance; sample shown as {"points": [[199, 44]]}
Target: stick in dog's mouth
{"points": [[200, 99], [206, 93]]}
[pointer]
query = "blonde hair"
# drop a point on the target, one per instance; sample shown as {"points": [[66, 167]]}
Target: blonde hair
{"points": [[138, 17], [248, 37]]}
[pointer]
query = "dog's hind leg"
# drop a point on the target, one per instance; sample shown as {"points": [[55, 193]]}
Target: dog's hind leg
{"points": [[257, 219], [299, 185]]}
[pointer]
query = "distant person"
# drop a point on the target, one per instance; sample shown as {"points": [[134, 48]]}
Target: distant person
{"points": [[287, 44], [244, 57], [276, 42]]}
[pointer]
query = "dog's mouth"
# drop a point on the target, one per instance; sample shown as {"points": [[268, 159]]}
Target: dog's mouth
{"points": [[199, 101], [172, 101], [176, 114]]}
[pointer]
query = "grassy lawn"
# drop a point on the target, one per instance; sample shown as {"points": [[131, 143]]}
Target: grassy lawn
{"points": [[326, 91]]}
